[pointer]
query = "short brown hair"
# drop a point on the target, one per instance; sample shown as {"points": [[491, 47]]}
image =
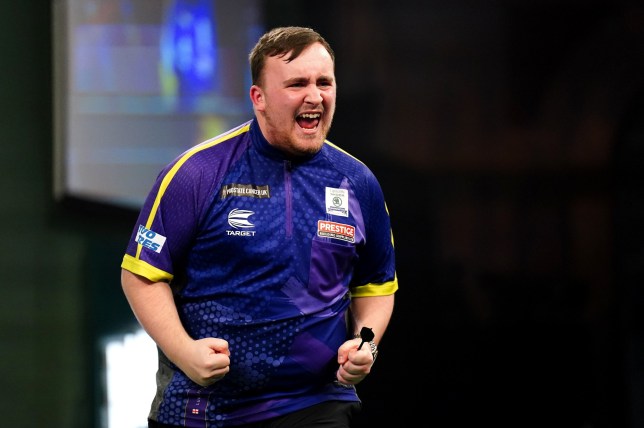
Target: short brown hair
{"points": [[280, 41]]}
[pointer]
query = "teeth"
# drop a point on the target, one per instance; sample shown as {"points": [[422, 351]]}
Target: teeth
{"points": [[310, 115]]}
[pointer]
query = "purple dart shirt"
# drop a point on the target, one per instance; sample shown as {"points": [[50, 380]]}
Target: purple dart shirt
{"points": [[266, 253]]}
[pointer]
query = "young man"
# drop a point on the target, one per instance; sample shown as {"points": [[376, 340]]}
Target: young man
{"points": [[260, 254]]}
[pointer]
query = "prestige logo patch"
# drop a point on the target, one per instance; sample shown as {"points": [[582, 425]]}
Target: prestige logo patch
{"points": [[248, 190], [150, 239], [331, 229]]}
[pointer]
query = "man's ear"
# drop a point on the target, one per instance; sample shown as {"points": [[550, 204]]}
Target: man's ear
{"points": [[257, 97]]}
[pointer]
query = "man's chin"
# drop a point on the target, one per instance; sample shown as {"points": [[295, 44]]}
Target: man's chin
{"points": [[307, 146]]}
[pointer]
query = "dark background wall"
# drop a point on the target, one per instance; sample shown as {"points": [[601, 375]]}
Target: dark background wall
{"points": [[509, 139]]}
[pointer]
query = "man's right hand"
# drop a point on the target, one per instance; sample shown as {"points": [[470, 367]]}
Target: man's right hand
{"points": [[206, 361]]}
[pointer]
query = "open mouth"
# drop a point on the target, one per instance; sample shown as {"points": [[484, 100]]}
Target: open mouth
{"points": [[308, 120]]}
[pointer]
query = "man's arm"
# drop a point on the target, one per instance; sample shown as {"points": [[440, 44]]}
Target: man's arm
{"points": [[205, 361], [375, 313]]}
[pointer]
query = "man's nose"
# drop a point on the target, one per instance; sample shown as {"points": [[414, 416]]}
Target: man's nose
{"points": [[313, 95]]}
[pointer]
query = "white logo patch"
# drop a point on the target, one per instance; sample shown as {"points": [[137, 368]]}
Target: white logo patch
{"points": [[238, 219], [150, 239], [337, 201]]}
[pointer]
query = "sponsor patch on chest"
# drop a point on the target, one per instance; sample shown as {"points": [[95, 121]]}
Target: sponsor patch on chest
{"points": [[247, 190], [337, 201], [331, 229]]}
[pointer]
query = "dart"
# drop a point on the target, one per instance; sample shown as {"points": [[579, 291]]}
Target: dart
{"points": [[366, 334]]}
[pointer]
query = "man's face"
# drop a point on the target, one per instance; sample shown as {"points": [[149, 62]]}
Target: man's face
{"points": [[296, 100]]}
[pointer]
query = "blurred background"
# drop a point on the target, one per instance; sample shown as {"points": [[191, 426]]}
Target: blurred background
{"points": [[508, 137]]}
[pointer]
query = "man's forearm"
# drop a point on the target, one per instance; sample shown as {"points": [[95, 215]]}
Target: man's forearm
{"points": [[373, 312], [153, 305]]}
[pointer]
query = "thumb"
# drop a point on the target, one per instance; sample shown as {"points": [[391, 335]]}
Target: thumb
{"points": [[344, 350], [219, 346]]}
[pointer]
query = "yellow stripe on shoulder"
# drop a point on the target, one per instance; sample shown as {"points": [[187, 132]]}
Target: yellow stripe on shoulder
{"points": [[173, 171], [342, 150]]}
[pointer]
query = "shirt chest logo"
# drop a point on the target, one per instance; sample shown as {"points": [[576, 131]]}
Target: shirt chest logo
{"points": [[331, 229], [239, 220], [337, 201], [247, 190]]}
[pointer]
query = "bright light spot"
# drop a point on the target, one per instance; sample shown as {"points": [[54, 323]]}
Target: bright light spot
{"points": [[131, 364]]}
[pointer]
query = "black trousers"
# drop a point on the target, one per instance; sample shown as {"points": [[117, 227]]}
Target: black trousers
{"points": [[329, 414]]}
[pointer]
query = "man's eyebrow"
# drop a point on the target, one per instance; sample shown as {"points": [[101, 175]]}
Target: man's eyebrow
{"points": [[295, 80]]}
